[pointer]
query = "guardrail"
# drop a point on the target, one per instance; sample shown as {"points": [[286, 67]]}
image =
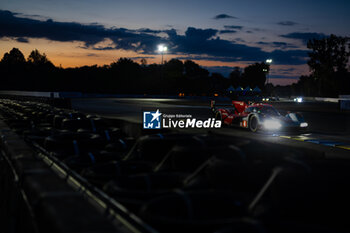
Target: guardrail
{"points": [[71, 95], [344, 102], [55, 99], [63, 99]]}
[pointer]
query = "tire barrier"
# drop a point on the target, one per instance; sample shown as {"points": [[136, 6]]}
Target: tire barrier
{"points": [[39, 97], [34, 198], [75, 166]]}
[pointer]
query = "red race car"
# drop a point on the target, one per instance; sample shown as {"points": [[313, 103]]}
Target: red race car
{"points": [[257, 116]]}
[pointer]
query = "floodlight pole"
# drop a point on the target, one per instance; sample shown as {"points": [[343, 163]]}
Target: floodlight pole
{"points": [[162, 49], [162, 57], [268, 61]]}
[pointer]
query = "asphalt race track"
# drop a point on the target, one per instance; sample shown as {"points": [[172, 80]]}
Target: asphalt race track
{"points": [[119, 176], [328, 132]]}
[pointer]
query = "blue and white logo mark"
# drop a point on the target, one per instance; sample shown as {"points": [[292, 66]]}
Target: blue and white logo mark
{"points": [[151, 120]]}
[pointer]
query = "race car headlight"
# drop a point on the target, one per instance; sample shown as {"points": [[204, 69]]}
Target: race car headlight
{"points": [[304, 124], [272, 124]]}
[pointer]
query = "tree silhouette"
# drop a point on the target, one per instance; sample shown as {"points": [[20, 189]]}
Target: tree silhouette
{"points": [[328, 60], [126, 74], [329, 54], [236, 77], [14, 58], [174, 68], [40, 60], [123, 76], [255, 75], [144, 62], [196, 78], [193, 70], [12, 69], [219, 83]]}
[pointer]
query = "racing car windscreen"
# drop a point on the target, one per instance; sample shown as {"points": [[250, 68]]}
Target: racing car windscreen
{"points": [[269, 111]]}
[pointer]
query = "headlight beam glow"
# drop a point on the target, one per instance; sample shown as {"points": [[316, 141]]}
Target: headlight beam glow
{"points": [[272, 124]]}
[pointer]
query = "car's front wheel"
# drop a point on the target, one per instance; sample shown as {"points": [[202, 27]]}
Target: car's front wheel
{"points": [[253, 124]]}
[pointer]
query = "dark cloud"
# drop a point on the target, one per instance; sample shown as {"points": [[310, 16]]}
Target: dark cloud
{"points": [[217, 49], [22, 40], [224, 16], [304, 36], [147, 30], [259, 29], [100, 47], [227, 31], [287, 23], [287, 71], [201, 43], [233, 27], [141, 57], [92, 55], [282, 45], [200, 34], [239, 40], [31, 16], [291, 57], [89, 34]]}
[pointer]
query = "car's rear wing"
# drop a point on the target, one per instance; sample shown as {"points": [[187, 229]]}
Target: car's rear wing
{"points": [[213, 104], [240, 106]]}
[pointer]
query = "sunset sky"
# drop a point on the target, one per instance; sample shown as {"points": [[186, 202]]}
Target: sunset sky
{"points": [[217, 34]]}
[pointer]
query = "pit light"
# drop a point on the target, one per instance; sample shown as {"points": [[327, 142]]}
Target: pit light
{"points": [[304, 124], [272, 124]]}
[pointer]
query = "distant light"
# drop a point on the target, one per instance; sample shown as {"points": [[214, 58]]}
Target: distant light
{"points": [[162, 48], [269, 60], [304, 124], [298, 99], [265, 70]]}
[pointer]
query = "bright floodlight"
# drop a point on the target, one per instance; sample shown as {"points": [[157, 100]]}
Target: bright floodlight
{"points": [[269, 60], [162, 48]]}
